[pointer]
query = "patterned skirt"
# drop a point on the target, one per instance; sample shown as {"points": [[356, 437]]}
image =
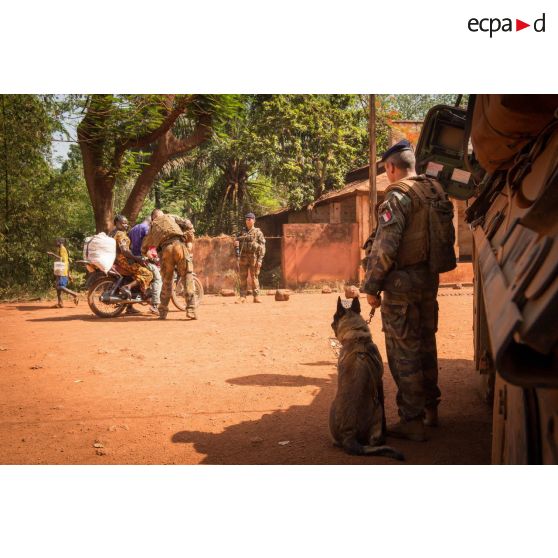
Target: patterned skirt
{"points": [[140, 273]]}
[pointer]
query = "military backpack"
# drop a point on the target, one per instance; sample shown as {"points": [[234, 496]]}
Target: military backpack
{"points": [[431, 232]]}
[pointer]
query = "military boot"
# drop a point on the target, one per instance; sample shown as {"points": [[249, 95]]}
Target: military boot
{"points": [[257, 300], [191, 311], [431, 416], [409, 430], [242, 299], [163, 313]]}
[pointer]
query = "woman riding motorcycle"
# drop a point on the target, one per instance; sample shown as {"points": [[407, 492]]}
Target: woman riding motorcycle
{"points": [[127, 263]]}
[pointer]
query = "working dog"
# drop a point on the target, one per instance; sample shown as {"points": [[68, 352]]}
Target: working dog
{"points": [[356, 419]]}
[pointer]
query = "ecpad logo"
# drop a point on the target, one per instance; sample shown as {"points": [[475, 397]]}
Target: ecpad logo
{"points": [[494, 24]]}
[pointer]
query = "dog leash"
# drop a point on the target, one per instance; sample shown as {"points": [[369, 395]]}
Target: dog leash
{"points": [[372, 312]]}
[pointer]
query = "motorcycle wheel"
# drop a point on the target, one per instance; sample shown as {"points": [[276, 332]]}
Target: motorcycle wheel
{"points": [[99, 308], [178, 297]]}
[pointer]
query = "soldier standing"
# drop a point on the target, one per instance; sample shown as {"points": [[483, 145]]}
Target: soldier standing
{"points": [[399, 264], [250, 251], [173, 238]]}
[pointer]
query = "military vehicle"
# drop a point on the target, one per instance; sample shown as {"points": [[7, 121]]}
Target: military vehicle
{"points": [[501, 154]]}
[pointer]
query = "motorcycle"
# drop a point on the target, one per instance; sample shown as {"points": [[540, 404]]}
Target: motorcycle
{"points": [[106, 298]]}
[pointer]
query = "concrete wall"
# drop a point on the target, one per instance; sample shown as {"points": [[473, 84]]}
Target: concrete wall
{"points": [[320, 253], [463, 273], [215, 263]]}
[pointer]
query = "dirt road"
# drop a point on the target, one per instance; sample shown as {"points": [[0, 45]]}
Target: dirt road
{"points": [[244, 384]]}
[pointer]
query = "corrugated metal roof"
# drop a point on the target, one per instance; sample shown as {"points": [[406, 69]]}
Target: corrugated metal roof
{"points": [[276, 212], [361, 185]]}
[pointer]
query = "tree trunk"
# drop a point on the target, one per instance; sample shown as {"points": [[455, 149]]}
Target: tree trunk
{"points": [[100, 189], [157, 195], [102, 209], [145, 180], [235, 190], [99, 181], [100, 175]]}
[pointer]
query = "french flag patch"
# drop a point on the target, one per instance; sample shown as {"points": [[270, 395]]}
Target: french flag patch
{"points": [[386, 216]]}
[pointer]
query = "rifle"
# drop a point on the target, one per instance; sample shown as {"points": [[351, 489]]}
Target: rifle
{"points": [[238, 253]]}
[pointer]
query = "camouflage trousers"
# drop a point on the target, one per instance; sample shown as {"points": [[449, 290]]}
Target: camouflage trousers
{"points": [[176, 256], [248, 264], [410, 322]]}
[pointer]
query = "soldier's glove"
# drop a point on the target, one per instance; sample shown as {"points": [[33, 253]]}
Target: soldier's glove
{"points": [[374, 300]]}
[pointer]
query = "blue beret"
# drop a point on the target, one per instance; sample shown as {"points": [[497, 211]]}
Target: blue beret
{"points": [[249, 216], [403, 145]]}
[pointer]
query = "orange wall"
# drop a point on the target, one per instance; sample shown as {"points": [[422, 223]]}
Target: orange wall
{"points": [[316, 253], [215, 263]]}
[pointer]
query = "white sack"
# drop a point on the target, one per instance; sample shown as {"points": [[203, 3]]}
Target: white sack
{"points": [[100, 250]]}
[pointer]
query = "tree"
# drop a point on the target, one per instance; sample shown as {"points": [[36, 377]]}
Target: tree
{"points": [[414, 107], [40, 203], [115, 129], [311, 142], [237, 158], [282, 150]]}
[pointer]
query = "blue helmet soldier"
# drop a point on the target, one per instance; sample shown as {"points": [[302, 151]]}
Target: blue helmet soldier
{"points": [[399, 266], [250, 252]]}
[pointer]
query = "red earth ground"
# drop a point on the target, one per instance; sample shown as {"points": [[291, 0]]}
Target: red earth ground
{"points": [[245, 384]]}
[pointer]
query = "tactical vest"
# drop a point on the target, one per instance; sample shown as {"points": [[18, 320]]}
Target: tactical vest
{"points": [[248, 241], [164, 228], [425, 239]]}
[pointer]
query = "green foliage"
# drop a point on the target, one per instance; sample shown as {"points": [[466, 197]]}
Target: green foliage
{"points": [[280, 150], [311, 142], [114, 120], [415, 107], [126, 140], [265, 152], [39, 203]]}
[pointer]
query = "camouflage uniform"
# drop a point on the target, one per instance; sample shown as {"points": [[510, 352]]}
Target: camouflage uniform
{"points": [[173, 237], [252, 252], [398, 266]]}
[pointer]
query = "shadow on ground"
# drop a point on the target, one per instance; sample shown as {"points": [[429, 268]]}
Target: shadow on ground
{"points": [[29, 308], [92, 318], [462, 438]]}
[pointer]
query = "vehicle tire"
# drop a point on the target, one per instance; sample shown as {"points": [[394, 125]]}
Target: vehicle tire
{"points": [[99, 308], [178, 298]]}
